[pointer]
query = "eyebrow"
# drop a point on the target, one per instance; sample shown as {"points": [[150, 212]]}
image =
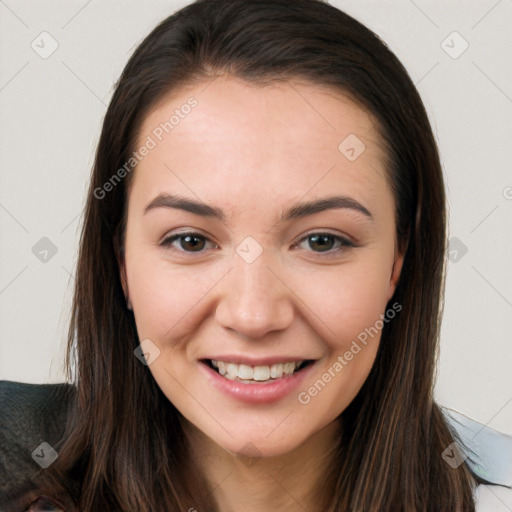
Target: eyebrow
{"points": [[296, 211]]}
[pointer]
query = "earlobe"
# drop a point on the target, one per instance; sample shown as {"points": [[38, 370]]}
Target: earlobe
{"points": [[396, 269]]}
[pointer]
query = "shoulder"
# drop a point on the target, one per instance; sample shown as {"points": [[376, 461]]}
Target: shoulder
{"points": [[493, 498], [32, 414], [486, 451], [13, 394], [28, 410], [488, 454]]}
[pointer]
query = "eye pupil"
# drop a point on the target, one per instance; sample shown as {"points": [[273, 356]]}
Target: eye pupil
{"points": [[321, 241], [188, 239]]}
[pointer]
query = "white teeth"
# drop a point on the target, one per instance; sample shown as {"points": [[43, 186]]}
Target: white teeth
{"points": [[231, 371], [245, 372], [289, 368], [276, 371], [261, 373], [256, 373]]}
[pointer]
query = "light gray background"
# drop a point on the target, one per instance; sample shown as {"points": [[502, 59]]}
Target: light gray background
{"points": [[51, 113]]}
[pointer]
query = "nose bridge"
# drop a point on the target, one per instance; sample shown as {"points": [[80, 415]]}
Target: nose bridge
{"points": [[253, 300]]}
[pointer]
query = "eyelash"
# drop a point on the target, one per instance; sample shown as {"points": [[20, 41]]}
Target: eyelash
{"points": [[345, 243]]}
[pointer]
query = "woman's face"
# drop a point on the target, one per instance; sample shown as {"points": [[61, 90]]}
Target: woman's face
{"points": [[260, 280]]}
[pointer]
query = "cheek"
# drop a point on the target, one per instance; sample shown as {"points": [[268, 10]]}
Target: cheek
{"points": [[165, 297], [347, 300], [351, 306], [350, 302]]}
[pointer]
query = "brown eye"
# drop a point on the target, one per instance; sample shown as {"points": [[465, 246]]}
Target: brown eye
{"points": [[191, 242], [322, 242], [328, 243], [186, 242]]}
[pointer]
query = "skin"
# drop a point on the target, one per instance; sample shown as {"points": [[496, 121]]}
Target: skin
{"points": [[253, 151]]}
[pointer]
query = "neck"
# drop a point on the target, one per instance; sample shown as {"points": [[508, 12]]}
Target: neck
{"points": [[296, 481]]}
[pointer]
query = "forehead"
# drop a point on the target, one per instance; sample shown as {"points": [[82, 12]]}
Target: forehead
{"points": [[242, 141]]}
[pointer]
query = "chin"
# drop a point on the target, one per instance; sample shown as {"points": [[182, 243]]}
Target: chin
{"points": [[257, 443]]}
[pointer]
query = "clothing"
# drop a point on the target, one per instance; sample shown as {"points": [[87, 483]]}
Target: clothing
{"points": [[32, 421], [31, 412], [493, 498], [45, 504], [490, 457]]}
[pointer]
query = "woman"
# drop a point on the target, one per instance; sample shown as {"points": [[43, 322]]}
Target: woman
{"points": [[257, 302]]}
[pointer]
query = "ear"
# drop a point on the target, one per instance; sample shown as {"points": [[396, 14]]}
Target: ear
{"points": [[396, 271], [124, 284], [119, 250]]}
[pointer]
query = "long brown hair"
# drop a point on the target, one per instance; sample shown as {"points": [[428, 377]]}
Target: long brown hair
{"points": [[124, 448]]}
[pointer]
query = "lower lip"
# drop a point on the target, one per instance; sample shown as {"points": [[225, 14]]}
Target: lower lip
{"points": [[260, 393]]}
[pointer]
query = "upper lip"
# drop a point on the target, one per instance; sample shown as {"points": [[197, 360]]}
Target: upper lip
{"points": [[257, 361]]}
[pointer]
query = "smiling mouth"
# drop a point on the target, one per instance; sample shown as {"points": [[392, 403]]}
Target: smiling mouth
{"points": [[251, 374]]}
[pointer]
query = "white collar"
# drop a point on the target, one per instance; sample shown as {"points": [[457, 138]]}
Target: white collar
{"points": [[490, 451]]}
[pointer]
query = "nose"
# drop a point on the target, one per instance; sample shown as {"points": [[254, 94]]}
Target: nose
{"points": [[254, 299]]}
